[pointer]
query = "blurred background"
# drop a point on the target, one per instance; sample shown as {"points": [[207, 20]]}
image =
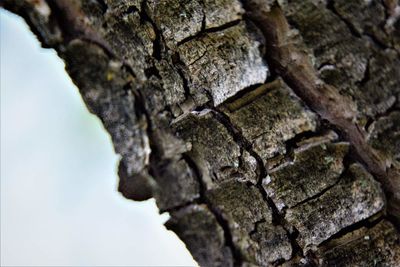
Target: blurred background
{"points": [[59, 199]]}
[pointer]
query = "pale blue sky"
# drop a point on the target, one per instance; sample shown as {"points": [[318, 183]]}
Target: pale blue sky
{"points": [[59, 203]]}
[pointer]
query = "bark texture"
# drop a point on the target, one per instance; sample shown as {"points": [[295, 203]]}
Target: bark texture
{"points": [[269, 130]]}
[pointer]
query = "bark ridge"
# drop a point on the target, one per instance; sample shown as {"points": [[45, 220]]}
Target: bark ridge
{"points": [[269, 130]]}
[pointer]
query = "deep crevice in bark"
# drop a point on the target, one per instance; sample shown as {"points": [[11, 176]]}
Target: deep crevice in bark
{"points": [[352, 29], [277, 218], [331, 6], [322, 98], [220, 219], [347, 161], [299, 79], [103, 5], [368, 223], [157, 46]]}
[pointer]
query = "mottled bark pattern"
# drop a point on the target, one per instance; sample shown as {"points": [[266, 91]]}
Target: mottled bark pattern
{"points": [[269, 130]]}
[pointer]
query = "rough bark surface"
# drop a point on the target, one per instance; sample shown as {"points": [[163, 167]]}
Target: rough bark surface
{"points": [[269, 130]]}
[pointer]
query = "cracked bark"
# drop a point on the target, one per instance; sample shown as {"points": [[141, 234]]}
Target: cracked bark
{"points": [[267, 129]]}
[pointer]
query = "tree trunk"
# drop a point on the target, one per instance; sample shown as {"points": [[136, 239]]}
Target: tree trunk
{"points": [[269, 130]]}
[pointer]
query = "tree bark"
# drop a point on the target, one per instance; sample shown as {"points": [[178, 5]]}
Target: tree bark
{"points": [[269, 130]]}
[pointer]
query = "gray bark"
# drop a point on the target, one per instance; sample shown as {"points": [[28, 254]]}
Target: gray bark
{"points": [[269, 130]]}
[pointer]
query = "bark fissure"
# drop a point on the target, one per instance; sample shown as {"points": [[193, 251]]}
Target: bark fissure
{"points": [[353, 30], [331, 6], [296, 69], [185, 82], [103, 5], [394, 107], [209, 30], [367, 223], [322, 192], [157, 48], [277, 217], [366, 76], [220, 219], [253, 168]]}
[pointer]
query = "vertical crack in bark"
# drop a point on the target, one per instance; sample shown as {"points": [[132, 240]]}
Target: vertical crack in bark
{"points": [[285, 60], [176, 60], [73, 16], [366, 76], [296, 69], [237, 258], [157, 44], [103, 6], [243, 143]]}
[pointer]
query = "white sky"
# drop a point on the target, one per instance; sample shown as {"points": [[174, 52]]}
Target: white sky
{"points": [[59, 203]]}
